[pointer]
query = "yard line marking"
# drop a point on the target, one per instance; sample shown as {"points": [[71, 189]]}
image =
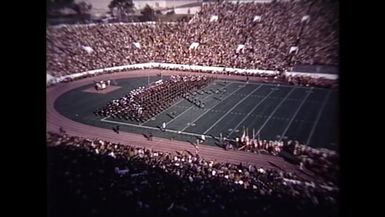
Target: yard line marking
{"points": [[318, 117], [251, 111], [213, 107], [294, 115], [243, 99], [275, 109], [192, 106]]}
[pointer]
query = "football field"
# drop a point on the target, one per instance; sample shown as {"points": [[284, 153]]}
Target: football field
{"points": [[277, 112]]}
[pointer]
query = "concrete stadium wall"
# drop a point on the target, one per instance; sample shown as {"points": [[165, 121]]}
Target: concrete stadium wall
{"points": [[189, 67]]}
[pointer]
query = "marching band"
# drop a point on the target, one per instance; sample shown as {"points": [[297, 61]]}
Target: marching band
{"points": [[143, 103]]}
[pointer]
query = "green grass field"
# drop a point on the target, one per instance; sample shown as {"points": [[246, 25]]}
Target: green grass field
{"points": [[308, 115]]}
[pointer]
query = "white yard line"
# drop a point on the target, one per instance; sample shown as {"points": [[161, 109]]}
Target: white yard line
{"points": [[275, 109], [212, 107], [192, 106], [318, 117], [251, 111], [154, 128], [183, 107], [294, 115], [151, 128], [244, 98]]}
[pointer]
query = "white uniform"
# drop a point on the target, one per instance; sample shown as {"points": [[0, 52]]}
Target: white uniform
{"points": [[203, 137]]}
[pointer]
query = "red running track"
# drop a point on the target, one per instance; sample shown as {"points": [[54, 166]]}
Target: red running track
{"points": [[55, 120]]}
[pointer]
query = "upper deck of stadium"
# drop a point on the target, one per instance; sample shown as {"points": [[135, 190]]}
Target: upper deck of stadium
{"points": [[268, 36]]}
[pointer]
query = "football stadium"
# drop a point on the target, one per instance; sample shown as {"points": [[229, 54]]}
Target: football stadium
{"points": [[193, 108]]}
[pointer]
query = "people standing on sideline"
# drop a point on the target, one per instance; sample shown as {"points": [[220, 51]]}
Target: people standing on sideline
{"points": [[61, 130], [164, 126], [197, 147]]}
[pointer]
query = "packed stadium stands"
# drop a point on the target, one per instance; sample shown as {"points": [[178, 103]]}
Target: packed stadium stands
{"points": [[104, 179], [235, 39]]}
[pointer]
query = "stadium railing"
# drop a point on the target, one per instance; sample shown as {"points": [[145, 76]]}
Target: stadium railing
{"points": [[213, 69]]}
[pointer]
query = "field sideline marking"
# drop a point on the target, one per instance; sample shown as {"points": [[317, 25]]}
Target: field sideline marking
{"points": [[152, 128], [155, 128]]}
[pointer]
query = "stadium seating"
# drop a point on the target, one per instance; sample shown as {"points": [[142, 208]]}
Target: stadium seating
{"points": [[265, 41]]}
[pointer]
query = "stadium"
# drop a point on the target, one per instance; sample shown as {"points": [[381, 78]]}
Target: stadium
{"points": [[231, 112]]}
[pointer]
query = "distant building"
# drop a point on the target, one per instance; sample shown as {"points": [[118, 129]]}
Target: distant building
{"points": [[100, 7], [162, 4]]}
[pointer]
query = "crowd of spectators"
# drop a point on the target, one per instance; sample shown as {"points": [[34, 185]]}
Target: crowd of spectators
{"points": [[300, 80], [323, 162], [100, 178], [265, 42]]}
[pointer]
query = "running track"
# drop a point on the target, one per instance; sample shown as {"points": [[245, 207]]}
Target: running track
{"points": [[56, 120]]}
